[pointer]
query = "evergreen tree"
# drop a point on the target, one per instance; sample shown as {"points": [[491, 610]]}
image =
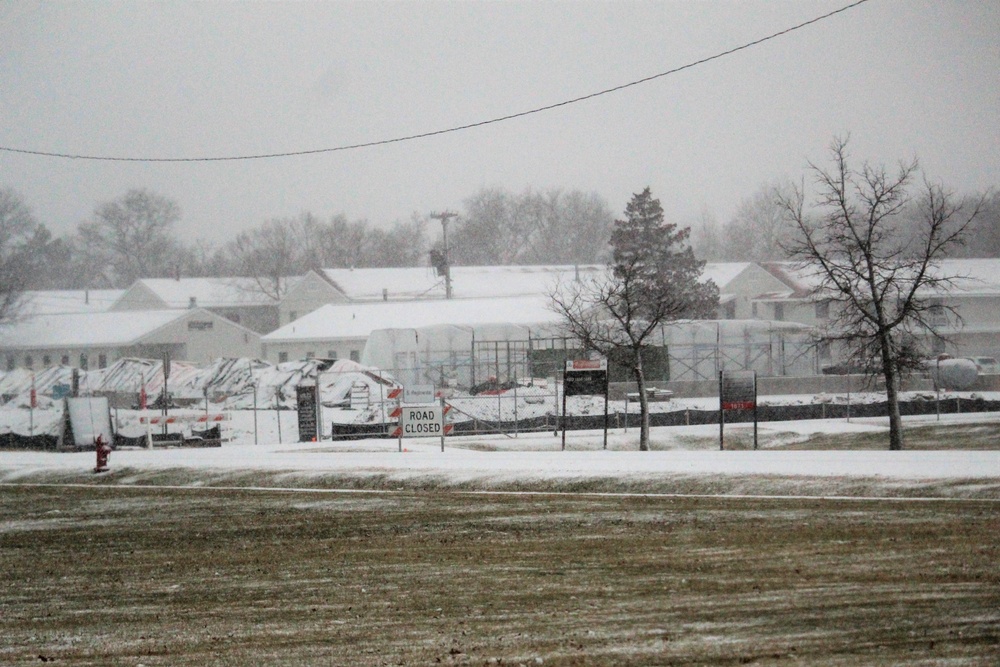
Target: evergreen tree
{"points": [[653, 278]]}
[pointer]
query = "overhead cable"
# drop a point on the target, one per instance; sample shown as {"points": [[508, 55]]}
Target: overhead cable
{"points": [[433, 133]]}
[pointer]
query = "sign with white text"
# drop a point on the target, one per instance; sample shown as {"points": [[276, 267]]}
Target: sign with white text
{"points": [[586, 377], [419, 393]]}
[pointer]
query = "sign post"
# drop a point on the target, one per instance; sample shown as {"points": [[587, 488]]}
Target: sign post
{"points": [[737, 391], [585, 377]]}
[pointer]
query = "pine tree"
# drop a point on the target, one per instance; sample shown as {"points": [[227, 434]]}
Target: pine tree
{"points": [[653, 278]]}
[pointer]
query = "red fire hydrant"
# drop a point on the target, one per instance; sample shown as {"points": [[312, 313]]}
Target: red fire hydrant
{"points": [[103, 452]]}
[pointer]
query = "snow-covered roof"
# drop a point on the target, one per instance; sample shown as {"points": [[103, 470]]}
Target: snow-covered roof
{"points": [[973, 277], [358, 320], [723, 273], [977, 277], [481, 281], [75, 330], [467, 281], [49, 302], [209, 292]]}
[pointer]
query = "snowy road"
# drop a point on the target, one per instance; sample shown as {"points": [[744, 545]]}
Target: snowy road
{"points": [[536, 457]]}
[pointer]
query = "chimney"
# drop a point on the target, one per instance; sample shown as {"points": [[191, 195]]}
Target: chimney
{"points": [[193, 302], [86, 296], [385, 294]]}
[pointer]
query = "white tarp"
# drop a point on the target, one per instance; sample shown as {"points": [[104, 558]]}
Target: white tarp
{"points": [[89, 417]]}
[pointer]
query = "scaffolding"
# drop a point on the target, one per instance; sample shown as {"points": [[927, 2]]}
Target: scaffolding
{"points": [[469, 356]]}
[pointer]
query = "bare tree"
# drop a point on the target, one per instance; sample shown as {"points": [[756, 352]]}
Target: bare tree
{"points": [[754, 234], [132, 236], [22, 242], [268, 254], [707, 237], [551, 227], [653, 278], [984, 233], [880, 282], [494, 229]]}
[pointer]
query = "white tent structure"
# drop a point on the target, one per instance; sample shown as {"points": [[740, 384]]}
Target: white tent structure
{"points": [[456, 354]]}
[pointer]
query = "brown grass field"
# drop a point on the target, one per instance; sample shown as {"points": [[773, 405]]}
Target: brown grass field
{"points": [[120, 575]]}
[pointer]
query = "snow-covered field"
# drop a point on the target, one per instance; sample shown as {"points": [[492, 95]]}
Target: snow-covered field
{"points": [[538, 457]]}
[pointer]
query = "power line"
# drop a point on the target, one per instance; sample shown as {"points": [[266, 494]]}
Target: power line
{"points": [[433, 133]]}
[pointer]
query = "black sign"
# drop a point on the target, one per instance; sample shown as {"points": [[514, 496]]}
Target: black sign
{"points": [[739, 390], [586, 377], [305, 400]]}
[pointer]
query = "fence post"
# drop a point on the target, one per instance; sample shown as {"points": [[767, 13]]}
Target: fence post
{"points": [[515, 404]]}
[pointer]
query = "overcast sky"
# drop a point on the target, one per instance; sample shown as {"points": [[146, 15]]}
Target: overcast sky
{"points": [[180, 80]]}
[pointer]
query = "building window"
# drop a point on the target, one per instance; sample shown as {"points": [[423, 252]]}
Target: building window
{"points": [[29, 363], [355, 355], [331, 354], [779, 311], [46, 361], [282, 357], [938, 315], [753, 310], [195, 325], [65, 360], [731, 310], [83, 362], [825, 350], [822, 310], [292, 316], [310, 355], [938, 346], [11, 362], [102, 361]]}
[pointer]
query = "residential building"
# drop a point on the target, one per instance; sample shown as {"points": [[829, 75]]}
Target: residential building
{"points": [[240, 300]]}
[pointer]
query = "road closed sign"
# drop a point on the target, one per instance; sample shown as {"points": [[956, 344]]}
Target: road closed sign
{"points": [[423, 420]]}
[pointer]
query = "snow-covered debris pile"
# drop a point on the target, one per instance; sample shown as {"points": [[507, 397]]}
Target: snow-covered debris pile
{"points": [[276, 384], [345, 376], [225, 378], [18, 417], [20, 381], [131, 375]]}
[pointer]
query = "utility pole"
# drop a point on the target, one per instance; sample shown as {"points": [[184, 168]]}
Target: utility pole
{"points": [[444, 218]]}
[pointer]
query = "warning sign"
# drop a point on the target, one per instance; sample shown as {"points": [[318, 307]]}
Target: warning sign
{"points": [[424, 420], [421, 420]]}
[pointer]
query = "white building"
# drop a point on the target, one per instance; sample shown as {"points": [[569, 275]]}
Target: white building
{"points": [[973, 297], [96, 340], [339, 331], [239, 300]]}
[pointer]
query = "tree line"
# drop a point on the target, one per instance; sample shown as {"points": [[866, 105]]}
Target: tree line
{"points": [[760, 224], [135, 236]]}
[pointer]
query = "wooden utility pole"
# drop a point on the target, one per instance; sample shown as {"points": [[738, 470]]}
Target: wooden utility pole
{"points": [[444, 218]]}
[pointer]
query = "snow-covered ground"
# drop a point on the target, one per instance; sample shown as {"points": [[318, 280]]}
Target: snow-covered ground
{"points": [[536, 456]]}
